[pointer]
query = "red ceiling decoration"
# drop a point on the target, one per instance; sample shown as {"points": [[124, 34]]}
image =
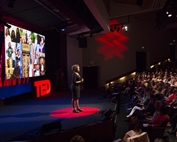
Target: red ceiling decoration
{"points": [[112, 42]]}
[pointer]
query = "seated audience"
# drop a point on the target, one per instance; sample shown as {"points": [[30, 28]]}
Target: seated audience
{"points": [[150, 109], [167, 100], [153, 92], [172, 108], [141, 102], [134, 128], [160, 119], [157, 106]]}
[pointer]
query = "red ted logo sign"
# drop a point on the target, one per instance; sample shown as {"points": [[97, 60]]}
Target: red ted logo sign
{"points": [[43, 87]]}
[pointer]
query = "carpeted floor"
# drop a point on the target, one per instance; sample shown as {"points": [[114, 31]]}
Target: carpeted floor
{"points": [[23, 119], [120, 121]]}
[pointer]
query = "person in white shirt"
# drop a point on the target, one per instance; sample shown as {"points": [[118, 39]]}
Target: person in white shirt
{"points": [[37, 70], [134, 127]]}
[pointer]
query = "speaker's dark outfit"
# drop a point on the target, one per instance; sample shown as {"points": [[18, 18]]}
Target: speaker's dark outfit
{"points": [[75, 88]]}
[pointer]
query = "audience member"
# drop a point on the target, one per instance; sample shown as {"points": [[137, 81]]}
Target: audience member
{"points": [[157, 106], [173, 122], [171, 97], [77, 138], [134, 128], [152, 94]]}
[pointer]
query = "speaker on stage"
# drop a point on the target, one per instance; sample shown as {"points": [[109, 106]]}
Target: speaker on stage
{"points": [[54, 126], [82, 42]]}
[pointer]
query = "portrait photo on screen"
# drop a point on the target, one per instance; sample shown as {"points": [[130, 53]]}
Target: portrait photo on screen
{"points": [[24, 53]]}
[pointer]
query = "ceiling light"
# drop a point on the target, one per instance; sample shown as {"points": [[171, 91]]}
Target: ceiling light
{"points": [[169, 15], [151, 66], [63, 29], [125, 28], [122, 78], [134, 73]]}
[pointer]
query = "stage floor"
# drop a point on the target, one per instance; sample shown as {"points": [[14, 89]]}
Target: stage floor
{"points": [[22, 119]]}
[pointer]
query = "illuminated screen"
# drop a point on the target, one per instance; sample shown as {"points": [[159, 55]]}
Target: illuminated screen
{"points": [[24, 53]]}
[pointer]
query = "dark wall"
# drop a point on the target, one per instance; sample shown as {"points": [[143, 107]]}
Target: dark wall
{"points": [[141, 64], [172, 52], [90, 75], [56, 59]]}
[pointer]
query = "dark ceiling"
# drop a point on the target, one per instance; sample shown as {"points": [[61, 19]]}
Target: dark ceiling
{"points": [[163, 16], [75, 15], [45, 15]]}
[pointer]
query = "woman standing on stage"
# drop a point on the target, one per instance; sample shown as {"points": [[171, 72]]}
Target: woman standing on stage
{"points": [[75, 88]]}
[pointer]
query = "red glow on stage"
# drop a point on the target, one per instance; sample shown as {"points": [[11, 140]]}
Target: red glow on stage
{"points": [[67, 112], [112, 43]]}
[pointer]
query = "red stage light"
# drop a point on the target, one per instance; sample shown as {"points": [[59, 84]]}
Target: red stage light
{"points": [[67, 112]]}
